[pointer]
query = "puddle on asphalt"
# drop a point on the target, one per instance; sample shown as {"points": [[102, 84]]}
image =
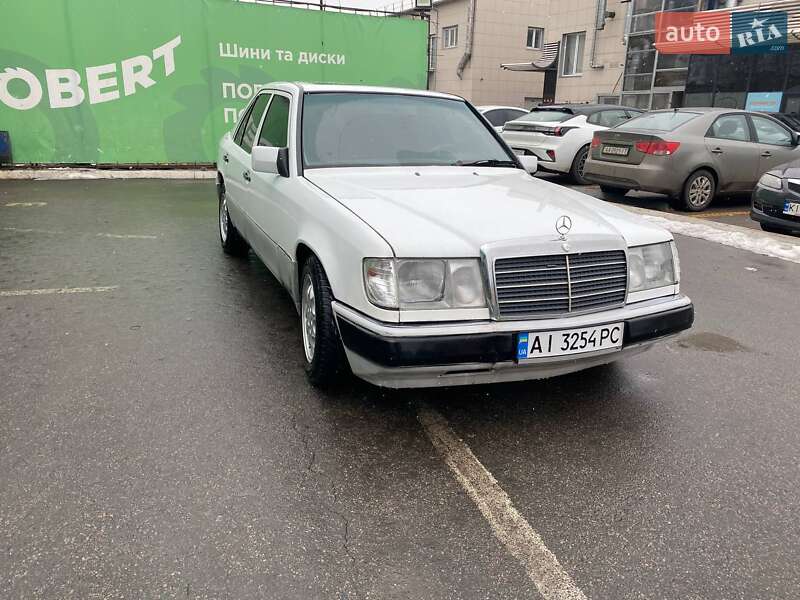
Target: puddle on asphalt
{"points": [[712, 342]]}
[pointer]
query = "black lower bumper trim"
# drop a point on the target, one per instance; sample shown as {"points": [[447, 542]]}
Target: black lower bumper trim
{"points": [[484, 347], [661, 324]]}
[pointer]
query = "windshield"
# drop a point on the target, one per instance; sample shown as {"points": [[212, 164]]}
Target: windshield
{"points": [[659, 121], [546, 116], [351, 129]]}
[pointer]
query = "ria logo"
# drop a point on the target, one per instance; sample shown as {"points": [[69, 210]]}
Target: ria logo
{"points": [[721, 32]]}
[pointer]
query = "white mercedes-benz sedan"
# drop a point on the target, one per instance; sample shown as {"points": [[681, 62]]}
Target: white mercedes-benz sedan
{"points": [[419, 251]]}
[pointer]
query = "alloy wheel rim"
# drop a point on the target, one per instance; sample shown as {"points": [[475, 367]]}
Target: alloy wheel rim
{"points": [[582, 164], [223, 217], [308, 310], [700, 191]]}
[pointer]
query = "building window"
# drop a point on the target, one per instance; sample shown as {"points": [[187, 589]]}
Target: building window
{"points": [[432, 53], [572, 47], [535, 38], [607, 99], [450, 36]]}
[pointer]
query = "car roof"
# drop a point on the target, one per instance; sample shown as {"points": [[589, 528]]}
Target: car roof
{"points": [[484, 108], [583, 109], [314, 88]]}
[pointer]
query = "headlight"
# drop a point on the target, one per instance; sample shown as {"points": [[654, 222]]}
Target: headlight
{"points": [[424, 283], [652, 266], [771, 181]]}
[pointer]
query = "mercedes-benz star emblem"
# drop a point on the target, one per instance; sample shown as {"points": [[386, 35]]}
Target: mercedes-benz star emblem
{"points": [[563, 225]]}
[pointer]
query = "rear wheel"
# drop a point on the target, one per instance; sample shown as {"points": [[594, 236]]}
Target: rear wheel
{"points": [[325, 360], [614, 191], [698, 191], [579, 166], [232, 241]]}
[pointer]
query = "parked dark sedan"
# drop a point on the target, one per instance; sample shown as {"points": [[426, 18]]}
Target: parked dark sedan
{"points": [[776, 199]]}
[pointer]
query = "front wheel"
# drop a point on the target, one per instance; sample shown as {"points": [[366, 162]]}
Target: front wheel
{"points": [[325, 360], [773, 229], [613, 191], [579, 167], [698, 191]]}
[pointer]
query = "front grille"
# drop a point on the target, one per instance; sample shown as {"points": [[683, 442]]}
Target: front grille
{"points": [[794, 186], [536, 285], [775, 211]]}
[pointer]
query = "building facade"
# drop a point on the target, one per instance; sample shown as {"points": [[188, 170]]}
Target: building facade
{"points": [[589, 65], [524, 52]]}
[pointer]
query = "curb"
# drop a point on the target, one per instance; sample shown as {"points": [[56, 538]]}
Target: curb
{"points": [[67, 174]]}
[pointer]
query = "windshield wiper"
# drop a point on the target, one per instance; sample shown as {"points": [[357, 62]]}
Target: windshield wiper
{"points": [[486, 162]]}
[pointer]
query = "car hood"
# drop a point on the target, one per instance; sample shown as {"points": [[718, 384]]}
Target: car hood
{"points": [[453, 211], [790, 169]]}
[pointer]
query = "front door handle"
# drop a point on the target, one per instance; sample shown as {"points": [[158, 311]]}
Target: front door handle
{"points": [[246, 176], [766, 154], [225, 158], [717, 150]]}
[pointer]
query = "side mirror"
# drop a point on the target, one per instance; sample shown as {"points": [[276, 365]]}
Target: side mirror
{"points": [[268, 159], [529, 163]]}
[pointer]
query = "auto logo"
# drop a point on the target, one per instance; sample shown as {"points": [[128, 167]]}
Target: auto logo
{"points": [[563, 225]]}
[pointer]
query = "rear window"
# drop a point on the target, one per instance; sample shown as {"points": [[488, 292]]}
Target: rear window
{"points": [[546, 116], [659, 121]]}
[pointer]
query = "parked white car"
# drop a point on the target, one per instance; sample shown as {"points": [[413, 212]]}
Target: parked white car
{"points": [[419, 252], [560, 135], [500, 115]]}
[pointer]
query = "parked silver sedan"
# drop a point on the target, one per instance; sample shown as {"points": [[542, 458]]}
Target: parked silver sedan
{"points": [[690, 154]]}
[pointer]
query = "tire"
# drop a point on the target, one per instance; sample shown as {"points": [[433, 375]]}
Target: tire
{"points": [[614, 191], [698, 191], [322, 346], [773, 229], [232, 241], [578, 164]]}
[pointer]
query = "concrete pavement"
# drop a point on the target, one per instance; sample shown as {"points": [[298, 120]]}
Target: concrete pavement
{"points": [[159, 439]]}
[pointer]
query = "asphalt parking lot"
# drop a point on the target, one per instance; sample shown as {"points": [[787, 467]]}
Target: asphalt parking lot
{"points": [[159, 439]]}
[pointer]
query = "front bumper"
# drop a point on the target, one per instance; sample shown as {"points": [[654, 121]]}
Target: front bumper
{"points": [[428, 355], [767, 208]]}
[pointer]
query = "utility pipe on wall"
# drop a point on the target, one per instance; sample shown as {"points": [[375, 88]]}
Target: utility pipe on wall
{"points": [[462, 64]]}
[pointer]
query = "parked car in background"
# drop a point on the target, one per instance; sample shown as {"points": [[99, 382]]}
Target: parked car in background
{"points": [[500, 115], [560, 135], [690, 154], [419, 252], [776, 199]]}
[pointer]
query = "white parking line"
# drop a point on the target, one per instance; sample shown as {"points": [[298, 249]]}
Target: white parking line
{"points": [[26, 204], [116, 236], [508, 525], [45, 291]]}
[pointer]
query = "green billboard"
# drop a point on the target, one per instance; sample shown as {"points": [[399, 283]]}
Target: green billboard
{"points": [[160, 81]]}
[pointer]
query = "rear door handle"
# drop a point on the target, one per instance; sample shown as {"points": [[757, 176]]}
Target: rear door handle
{"points": [[766, 154], [225, 158], [246, 176], [716, 150]]}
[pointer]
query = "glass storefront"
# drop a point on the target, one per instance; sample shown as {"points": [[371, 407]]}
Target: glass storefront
{"points": [[652, 80], [728, 80]]}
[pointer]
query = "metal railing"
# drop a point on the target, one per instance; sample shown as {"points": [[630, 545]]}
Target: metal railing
{"points": [[335, 6]]}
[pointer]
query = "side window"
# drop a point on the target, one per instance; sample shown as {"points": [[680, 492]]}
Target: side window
{"points": [[496, 117], [730, 127], [612, 118], [769, 132], [251, 125], [275, 131]]}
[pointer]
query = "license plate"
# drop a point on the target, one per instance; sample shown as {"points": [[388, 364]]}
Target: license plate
{"points": [[543, 344], [616, 150], [519, 151], [791, 208]]}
